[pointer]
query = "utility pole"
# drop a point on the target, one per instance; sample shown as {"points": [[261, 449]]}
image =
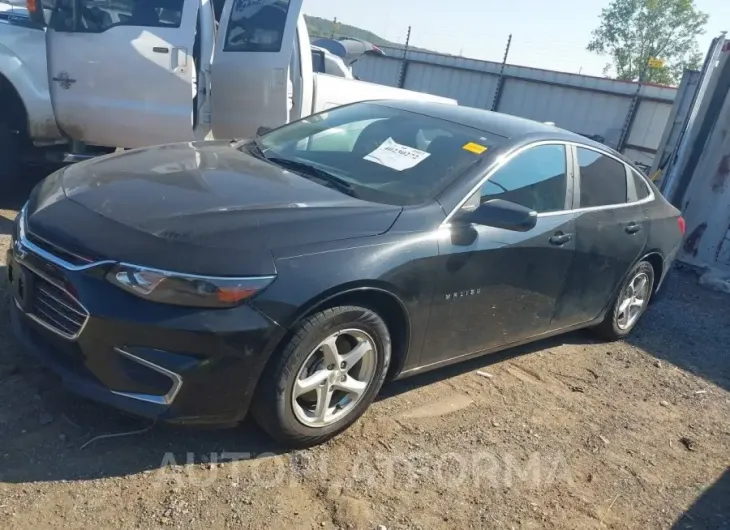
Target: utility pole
{"points": [[404, 64], [500, 81], [334, 28]]}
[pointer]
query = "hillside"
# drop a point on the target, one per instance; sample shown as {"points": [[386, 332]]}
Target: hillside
{"points": [[321, 27]]}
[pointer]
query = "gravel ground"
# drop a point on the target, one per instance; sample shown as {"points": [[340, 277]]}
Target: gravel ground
{"points": [[564, 433]]}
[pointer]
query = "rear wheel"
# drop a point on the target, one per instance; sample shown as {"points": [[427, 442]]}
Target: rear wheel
{"points": [[326, 377], [630, 304], [9, 156]]}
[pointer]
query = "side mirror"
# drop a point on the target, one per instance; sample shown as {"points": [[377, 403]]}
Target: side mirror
{"points": [[36, 13], [499, 213], [263, 130]]}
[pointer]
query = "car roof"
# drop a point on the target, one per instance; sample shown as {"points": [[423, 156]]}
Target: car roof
{"points": [[505, 125]]}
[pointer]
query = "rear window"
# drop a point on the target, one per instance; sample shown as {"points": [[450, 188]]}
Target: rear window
{"points": [[602, 179], [386, 154], [256, 26]]}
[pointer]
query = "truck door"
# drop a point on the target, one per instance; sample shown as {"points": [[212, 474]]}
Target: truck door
{"points": [[121, 71], [250, 68]]}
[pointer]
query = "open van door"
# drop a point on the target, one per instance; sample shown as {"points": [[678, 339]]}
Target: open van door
{"points": [[121, 71], [250, 68]]}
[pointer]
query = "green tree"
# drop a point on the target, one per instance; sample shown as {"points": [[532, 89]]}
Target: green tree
{"points": [[633, 31]]}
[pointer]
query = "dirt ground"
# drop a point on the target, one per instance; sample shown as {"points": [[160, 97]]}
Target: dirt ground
{"points": [[564, 433]]}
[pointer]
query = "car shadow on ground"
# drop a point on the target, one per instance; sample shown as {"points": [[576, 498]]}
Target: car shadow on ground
{"points": [[13, 199], [6, 226], [701, 351], [710, 510]]}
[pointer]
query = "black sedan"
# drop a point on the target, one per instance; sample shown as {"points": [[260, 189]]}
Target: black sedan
{"points": [[292, 274]]}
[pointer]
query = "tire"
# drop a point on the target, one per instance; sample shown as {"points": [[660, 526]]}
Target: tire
{"points": [[616, 325], [666, 286], [293, 421], [9, 157]]}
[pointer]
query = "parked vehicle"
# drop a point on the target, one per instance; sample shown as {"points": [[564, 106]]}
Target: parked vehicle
{"points": [[115, 86], [27, 125], [179, 79], [292, 274]]}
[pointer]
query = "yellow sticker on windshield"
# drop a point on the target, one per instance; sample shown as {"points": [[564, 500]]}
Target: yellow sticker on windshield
{"points": [[475, 148]]}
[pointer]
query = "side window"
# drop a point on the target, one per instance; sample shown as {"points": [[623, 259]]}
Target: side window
{"points": [[602, 179], [97, 16], [642, 188], [318, 61], [536, 178], [256, 26]]}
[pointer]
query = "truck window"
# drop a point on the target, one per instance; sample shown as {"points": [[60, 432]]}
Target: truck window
{"points": [[97, 16], [256, 26], [318, 61]]}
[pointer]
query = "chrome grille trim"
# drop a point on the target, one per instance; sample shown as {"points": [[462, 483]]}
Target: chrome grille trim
{"points": [[47, 309], [168, 398]]}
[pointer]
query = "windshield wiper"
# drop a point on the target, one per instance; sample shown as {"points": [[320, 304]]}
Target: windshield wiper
{"points": [[312, 171], [253, 146]]}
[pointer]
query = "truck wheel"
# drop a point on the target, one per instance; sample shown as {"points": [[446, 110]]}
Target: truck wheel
{"points": [[9, 157]]}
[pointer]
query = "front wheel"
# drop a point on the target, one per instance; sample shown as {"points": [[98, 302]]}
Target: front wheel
{"points": [[630, 304], [325, 378]]}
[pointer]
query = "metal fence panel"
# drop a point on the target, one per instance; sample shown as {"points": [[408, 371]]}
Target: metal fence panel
{"points": [[581, 111], [648, 127], [588, 105], [380, 70], [473, 89]]}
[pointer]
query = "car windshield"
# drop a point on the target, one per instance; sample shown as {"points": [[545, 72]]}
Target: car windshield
{"points": [[375, 152]]}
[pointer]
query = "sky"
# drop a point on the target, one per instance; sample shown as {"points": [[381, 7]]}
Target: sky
{"points": [[552, 35]]}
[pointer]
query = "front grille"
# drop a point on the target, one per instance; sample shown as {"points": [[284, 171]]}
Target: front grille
{"points": [[57, 309]]}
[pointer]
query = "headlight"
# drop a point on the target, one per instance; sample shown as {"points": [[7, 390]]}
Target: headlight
{"points": [[186, 289]]}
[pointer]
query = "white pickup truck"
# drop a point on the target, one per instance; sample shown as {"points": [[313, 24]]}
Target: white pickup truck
{"points": [[134, 73], [27, 125]]}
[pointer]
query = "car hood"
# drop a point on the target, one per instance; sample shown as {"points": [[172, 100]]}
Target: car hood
{"points": [[164, 203]]}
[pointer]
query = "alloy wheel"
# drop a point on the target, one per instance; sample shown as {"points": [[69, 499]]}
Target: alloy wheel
{"points": [[334, 377], [633, 299]]}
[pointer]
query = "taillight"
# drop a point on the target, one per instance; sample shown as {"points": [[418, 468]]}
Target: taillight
{"points": [[682, 224]]}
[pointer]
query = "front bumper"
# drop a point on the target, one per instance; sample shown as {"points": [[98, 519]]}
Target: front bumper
{"points": [[163, 362]]}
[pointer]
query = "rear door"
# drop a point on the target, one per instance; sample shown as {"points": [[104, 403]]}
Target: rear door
{"points": [[250, 71], [611, 233], [121, 71]]}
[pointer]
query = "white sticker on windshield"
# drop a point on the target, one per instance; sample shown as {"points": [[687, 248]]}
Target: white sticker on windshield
{"points": [[397, 156]]}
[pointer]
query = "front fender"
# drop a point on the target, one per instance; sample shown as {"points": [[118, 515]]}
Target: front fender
{"points": [[23, 64]]}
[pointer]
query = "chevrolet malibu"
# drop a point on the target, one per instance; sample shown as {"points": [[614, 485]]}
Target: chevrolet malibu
{"points": [[292, 274]]}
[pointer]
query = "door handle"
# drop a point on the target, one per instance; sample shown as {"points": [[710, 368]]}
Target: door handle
{"points": [[632, 228], [160, 49], [560, 239], [179, 58]]}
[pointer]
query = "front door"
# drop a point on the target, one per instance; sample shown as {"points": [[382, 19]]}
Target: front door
{"points": [[121, 71], [495, 286], [611, 232], [250, 72]]}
